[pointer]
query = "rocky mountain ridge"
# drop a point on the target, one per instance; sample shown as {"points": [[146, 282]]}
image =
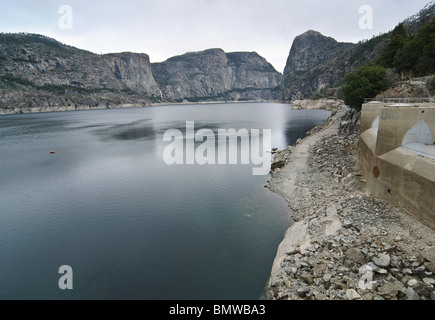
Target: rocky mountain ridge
{"points": [[309, 50], [324, 69], [317, 64], [214, 74], [38, 73]]}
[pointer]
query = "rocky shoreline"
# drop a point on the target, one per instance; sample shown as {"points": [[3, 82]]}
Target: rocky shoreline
{"points": [[64, 108], [344, 244], [326, 104]]}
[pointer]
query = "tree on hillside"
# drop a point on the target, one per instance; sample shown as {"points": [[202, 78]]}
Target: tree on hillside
{"points": [[397, 40], [417, 55], [365, 82]]}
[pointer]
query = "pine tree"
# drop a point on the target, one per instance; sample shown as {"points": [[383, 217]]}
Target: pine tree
{"points": [[417, 55], [397, 40]]}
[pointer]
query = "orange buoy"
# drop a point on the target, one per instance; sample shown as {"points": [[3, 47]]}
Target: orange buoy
{"points": [[52, 152]]}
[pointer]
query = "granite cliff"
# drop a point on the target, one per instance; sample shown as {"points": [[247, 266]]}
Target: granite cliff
{"points": [[41, 74], [317, 64], [308, 50], [38, 73], [215, 75]]}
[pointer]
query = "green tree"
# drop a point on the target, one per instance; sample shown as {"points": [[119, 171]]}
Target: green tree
{"points": [[417, 55], [408, 56], [397, 40], [365, 82]]}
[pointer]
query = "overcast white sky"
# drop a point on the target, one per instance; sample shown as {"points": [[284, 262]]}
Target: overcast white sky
{"points": [[164, 28]]}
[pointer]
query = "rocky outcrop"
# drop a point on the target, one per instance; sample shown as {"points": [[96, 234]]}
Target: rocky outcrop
{"points": [[308, 51], [325, 104], [324, 76], [318, 64], [215, 75], [44, 61], [422, 87], [39, 73]]}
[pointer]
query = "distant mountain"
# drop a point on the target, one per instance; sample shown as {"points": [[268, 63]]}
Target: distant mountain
{"points": [[41, 73], [317, 64], [38, 73], [413, 23], [215, 75], [310, 50]]}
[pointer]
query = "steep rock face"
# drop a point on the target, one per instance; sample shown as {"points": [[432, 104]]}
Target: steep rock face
{"points": [[214, 74], [318, 64], [39, 72], [197, 74], [132, 70], [44, 61], [309, 50]]}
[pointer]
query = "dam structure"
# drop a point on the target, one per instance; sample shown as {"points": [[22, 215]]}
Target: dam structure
{"points": [[397, 155]]}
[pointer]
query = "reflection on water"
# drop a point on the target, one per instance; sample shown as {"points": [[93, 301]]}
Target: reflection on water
{"points": [[136, 130], [130, 226]]}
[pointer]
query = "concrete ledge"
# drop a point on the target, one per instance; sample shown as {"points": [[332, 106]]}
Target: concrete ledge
{"points": [[401, 174], [421, 149], [408, 181]]}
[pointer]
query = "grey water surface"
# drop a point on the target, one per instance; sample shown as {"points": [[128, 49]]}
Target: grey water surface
{"points": [[129, 225]]}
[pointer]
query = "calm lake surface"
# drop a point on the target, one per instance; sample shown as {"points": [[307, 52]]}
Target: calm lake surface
{"points": [[129, 225]]}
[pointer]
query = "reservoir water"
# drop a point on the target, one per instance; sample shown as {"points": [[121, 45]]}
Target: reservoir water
{"points": [[129, 225]]}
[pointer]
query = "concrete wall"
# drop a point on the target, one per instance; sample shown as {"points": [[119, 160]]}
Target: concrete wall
{"points": [[393, 173]]}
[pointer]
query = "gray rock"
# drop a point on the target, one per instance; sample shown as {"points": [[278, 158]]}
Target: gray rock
{"points": [[327, 277], [351, 294], [303, 290], [292, 250], [355, 255], [308, 278], [429, 281], [387, 247], [358, 227], [419, 270], [331, 210], [407, 271], [412, 282], [429, 253], [430, 266], [395, 261], [342, 295], [390, 290], [383, 260], [347, 224], [320, 295], [371, 266], [411, 294], [287, 282]]}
